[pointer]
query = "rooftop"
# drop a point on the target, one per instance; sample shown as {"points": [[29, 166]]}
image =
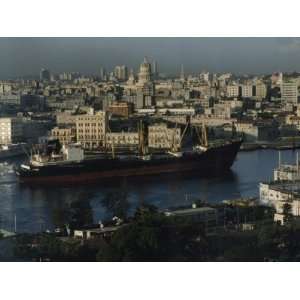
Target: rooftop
{"points": [[191, 211]]}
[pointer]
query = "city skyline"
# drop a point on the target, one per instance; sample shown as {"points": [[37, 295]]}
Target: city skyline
{"points": [[26, 56]]}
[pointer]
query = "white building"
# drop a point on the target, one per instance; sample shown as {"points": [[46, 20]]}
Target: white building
{"points": [[10, 130], [233, 90], [278, 195], [260, 90], [91, 129], [247, 90], [118, 139], [289, 92]]}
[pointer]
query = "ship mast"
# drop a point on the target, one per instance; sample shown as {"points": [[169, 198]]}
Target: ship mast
{"points": [[204, 135], [183, 134], [142, 143]]}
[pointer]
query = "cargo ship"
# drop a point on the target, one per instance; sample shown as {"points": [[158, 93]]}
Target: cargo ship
{"points": [[70, 165]]}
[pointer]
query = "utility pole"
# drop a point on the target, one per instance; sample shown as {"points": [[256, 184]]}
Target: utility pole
{"points": [[15, 219]]}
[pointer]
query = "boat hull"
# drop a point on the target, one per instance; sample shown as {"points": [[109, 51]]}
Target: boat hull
{"points": [[214, 160]]}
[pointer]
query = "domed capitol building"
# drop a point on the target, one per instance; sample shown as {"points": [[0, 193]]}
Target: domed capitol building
{"points": [[145, 74]]}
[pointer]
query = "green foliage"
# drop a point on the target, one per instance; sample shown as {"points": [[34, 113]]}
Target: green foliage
{"points": [[154, 237], [80, 214]]}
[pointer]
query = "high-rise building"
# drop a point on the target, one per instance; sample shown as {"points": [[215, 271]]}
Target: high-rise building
{"points": [[182, 77], [102, 74], [145, 74], [121, 73], [45, 75], [289, 92], [260, 90], [155, 69], [247, 90], [145, 86]]}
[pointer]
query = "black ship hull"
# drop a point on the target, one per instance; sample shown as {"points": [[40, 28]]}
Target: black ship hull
{"points": [[213, 161]]}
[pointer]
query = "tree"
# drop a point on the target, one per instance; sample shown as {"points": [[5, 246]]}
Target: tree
{"points": [[287, 213], [80, 214], [152, 236]]}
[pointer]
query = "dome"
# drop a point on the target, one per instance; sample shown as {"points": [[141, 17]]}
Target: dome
{"points": [[145, 72], [145, 66]]}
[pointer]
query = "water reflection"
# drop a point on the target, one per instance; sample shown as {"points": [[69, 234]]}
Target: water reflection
{"points": [[49, 207]]}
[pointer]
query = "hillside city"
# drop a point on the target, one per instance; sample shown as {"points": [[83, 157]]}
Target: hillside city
{"points": [[102, 113]]}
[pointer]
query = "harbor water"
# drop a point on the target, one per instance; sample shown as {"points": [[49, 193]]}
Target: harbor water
{"points": [[41, 208]]}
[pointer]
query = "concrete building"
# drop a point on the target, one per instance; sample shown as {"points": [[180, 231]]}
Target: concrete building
{"points": [[65, 119], [162, 137], [233, 90], [91, 130], [65, 135], [120, 108], [247, 90], [222, 110], [32, 130], [122, 139], [11, 130], [289, 92], [277, 194], [145, 74], [260, 90], [253, 132], [10, 99]]}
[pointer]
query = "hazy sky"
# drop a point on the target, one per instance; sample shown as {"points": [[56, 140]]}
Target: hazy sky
{"points": [[25, 56]]}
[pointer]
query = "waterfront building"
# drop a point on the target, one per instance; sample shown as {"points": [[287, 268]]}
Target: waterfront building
{"points": [[253, 132], [65, 135], [11, 130], [122, 139], [278, 194], [160, 136], [91, 129]]}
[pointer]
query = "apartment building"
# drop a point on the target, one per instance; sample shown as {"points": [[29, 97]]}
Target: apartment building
{"points": [[91, 129]]}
